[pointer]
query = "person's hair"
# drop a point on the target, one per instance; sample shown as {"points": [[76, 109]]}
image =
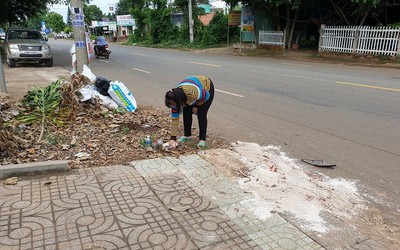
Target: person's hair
{"points": [[176, 95]]}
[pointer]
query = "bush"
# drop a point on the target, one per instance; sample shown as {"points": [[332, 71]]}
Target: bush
{"points": [[395, 25], [216, 31], [68, 29]]}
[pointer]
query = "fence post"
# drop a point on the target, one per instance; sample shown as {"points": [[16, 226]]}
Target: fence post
{"points": [[284, 39], [321, 32], [356, 39], [398, 48], [3, 87]]}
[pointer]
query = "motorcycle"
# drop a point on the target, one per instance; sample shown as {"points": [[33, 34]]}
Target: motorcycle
{"points": [[101, 51]]}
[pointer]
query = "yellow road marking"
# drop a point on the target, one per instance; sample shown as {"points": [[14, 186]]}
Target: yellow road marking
{"points": [[206, 64], [368, 86]]}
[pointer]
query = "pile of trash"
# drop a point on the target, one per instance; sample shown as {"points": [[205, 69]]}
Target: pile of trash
{"points": [[89, 121], [112, 94]]}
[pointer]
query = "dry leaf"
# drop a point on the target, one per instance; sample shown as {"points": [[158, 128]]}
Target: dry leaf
{"points": [[179, 209], [31, 150], [11, 181], [73, 141], [113, 126]]}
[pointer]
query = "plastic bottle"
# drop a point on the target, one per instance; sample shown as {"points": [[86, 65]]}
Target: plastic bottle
{"points": [[148, 141]]}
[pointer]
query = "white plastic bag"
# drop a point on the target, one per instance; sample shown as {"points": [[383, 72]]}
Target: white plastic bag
{"points": [[121, 95], [90, 91], [88, 73], [107, 101]]}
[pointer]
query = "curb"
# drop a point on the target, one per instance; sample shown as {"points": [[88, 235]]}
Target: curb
{"points": [[10, 170]]}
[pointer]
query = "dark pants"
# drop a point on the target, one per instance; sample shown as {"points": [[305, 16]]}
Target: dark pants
{"points": [[100, 48], [201, 116]]}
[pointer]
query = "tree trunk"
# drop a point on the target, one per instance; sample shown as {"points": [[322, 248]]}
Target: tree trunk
{"points": [[288, 24], [365, 17], [296, 14], [277, 19], [340, 12]]}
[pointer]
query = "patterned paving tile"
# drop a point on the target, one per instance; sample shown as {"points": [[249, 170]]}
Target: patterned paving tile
{"points": [[98, 208], [158, 166], [209, 228], [166, 203]]}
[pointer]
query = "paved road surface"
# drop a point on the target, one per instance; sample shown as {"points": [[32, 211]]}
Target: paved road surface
{"points": [[347, 115]]}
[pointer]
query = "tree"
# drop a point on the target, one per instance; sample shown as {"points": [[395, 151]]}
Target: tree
{"points": [[34, 22], [124, 7], [69, 20], [215, 32], [161, 27], [17, 11], [55, 22], [92, 13], [288, 10], [140, 13]]}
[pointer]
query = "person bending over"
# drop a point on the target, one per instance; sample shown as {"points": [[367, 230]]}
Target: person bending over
{"points": [[193, 95]]}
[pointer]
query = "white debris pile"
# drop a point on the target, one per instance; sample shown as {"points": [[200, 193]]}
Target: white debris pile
{"points": [[288, 187]]}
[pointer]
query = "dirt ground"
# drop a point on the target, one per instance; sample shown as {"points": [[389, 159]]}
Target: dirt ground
{"points": [[307, 55], [20, 80], [92, 134]]}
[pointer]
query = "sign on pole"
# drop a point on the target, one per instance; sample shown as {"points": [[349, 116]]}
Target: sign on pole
{"points": [[234, 18], [125, 20], [80, 41], [247, 19]]}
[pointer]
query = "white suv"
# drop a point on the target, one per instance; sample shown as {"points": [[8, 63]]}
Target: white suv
{"points": [[26, 45], [2, 33]]}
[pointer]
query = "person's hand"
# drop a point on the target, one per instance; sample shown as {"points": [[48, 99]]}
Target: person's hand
{"points": [[170, 145], [194, 110], [199, 103]]}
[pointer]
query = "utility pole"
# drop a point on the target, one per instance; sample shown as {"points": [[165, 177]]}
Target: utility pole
{"points": [[78, 24], [190, 21], [3, 86]]}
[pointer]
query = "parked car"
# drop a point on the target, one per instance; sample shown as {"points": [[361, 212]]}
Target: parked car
{"points": [[2, 34], [26, 45]]}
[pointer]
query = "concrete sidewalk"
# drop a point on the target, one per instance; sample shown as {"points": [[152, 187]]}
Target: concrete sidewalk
{"points": [[164, 203]]}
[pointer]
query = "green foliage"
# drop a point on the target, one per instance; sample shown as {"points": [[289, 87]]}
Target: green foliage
{"points": [[55, 22], [161, 28], [124, 7], [41, 106], [54, 139], [120, 110], [69, 20], [18, 11], [68, 29], [33, 22], [140, 12], [92, 13], [125, 130], [215, 33], [395, 25]]}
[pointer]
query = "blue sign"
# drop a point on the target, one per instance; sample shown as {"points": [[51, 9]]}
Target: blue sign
{"points": [[78, 23], [80, 44]]}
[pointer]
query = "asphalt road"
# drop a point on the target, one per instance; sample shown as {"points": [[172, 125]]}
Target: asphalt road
{"points": [[346, 115]]}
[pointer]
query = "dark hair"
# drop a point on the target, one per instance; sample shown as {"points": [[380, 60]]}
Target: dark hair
{"points": [[176, 95]]}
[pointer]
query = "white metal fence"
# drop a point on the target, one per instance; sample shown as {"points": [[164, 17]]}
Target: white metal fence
{"points": [[271, 38], [360, 40]]}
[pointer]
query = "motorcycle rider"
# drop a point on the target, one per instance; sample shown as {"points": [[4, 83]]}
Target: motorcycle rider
{"points": [[100, 44]]}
